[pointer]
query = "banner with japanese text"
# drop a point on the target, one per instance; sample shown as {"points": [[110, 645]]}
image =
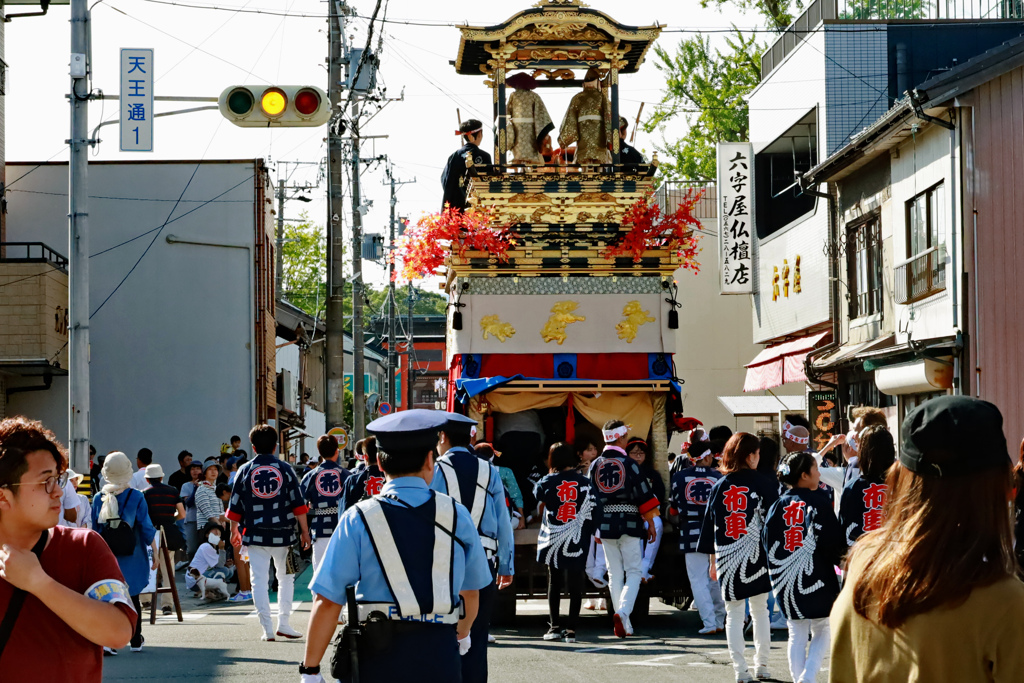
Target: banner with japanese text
{"points": [[823, 416], [735, 216]]}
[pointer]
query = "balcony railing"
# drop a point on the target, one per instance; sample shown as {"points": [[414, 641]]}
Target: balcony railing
{"points": [[880, 10], [32, 252], [921, 276], [672, 192], [866, 303]]}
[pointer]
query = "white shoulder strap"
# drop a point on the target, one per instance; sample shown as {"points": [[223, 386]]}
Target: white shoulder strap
{"points": [[441, 572], [452, 481], [390, 559], [483, 480]]}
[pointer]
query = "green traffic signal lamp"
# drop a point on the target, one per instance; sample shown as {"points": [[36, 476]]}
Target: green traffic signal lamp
{"points": [[282, 106]]}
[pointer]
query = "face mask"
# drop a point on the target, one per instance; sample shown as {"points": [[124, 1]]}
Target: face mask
{"points": [[213, 538]]}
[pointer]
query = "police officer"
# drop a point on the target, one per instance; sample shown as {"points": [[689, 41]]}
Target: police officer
{"points": [[266, 502], [410, 553], [477, 484], [454, 176], [368, 480], [323, 489]]}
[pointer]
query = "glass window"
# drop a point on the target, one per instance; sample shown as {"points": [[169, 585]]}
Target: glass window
{"points": [[864, 249], [926, 221]]}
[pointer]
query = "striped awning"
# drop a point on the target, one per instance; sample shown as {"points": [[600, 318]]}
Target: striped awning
{"points": [[781, 363]]}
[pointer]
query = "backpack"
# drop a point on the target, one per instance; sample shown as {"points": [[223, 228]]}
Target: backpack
{"points": [[119, 535]]}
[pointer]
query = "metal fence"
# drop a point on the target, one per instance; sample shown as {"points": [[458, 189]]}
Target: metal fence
{"points": [[921, 276], [673, 192], [31, 252], [881, 10]]}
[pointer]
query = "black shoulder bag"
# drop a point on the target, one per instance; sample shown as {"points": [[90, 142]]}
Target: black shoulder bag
{"points": [[18, 599]]}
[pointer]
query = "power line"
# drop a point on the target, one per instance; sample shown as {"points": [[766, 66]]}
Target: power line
{"points": [[160, 227]]}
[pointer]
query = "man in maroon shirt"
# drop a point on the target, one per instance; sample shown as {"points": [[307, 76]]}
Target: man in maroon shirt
{"points": [[74, 596]]}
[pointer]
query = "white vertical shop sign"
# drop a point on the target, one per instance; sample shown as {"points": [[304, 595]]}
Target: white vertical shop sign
{"points": [[136, 101], [736, 216]]}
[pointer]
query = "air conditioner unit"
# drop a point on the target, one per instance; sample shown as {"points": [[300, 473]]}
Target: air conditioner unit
{"points": [[289, 391]]}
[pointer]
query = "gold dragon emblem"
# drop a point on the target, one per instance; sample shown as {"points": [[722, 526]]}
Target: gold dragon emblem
{"points": [[492, 325], [561, 316], [635, 316]]}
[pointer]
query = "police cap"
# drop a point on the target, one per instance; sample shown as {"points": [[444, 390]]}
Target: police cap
{"points": [[952, 436], [458, 424], [408, 430]]}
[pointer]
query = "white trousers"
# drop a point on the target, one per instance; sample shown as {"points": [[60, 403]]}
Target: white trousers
{"points": [[651, 549], [805, 659], [259, 565], [319, 548], [735, 613], [707, 594], [625, 557]]}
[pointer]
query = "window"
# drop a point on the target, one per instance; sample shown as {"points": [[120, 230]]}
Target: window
{"points": [[925, 224], [924, 271], [778, 200], [864, 267]]}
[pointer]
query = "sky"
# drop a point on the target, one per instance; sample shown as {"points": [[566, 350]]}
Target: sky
{"points": [[200, 51]]}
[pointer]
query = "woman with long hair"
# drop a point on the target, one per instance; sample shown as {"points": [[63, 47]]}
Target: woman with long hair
{"points": [[932, 594], [731, 533], [863, 500], [640, 453]]}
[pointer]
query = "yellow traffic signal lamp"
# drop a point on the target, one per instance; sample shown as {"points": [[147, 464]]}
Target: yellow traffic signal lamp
{"points": [[283, 106]]}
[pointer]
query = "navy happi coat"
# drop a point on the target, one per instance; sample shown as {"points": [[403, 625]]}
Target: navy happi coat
{"points": [[804, 545], [731, 530]]}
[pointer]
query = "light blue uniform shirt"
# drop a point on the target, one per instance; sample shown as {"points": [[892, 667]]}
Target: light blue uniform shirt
{"points": [[496, 521], [350, 558]]}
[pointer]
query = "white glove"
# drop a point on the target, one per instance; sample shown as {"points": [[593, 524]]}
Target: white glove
{"points": [[312, 678], [465, 644]]}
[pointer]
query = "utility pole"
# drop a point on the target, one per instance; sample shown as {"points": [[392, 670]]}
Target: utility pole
{"points": [[279, 269], [78, 235], [282, 187], [358, 387], [335, 350], [409, 374], [392, 312]]}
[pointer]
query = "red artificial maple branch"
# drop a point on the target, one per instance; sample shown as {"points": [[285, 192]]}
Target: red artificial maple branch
{"points": [[649, 229], [422, 250]]}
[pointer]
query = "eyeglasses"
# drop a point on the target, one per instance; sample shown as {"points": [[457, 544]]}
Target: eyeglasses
{"points": [[55, 480]]}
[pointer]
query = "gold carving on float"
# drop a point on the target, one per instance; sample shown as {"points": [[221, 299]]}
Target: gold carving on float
{"points": [[561, 316], [492, 325], [635, 317], [576, 31], [530, 198], [554, 74], [560, 3], [594, 197]]}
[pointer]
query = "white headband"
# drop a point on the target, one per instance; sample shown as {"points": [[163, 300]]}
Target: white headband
{"points": [[786, 432], [613, 435], [704, 454], [705, 437]]}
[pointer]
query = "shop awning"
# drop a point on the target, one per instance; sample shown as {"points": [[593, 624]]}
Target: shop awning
{"points": [[781, 363], [754, 406], [851, 352]]}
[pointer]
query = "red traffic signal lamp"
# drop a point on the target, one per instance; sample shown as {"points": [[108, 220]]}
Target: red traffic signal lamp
{"points": [[285, 106]]}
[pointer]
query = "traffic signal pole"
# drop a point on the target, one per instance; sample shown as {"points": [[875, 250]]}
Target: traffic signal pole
{"points": [[335, 351], [78, 235]]}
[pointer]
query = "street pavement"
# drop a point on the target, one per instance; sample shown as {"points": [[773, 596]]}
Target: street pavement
{"points": [[221, 642]]}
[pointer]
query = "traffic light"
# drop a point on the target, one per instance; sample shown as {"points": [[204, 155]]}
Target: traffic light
{"points": [[286, 106]]}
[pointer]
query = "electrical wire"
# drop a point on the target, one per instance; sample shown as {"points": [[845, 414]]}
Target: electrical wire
{"points": [[178, 218]]}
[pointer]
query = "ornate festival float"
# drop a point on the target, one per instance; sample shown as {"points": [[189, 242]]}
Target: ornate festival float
{"points": [[560, 273]]}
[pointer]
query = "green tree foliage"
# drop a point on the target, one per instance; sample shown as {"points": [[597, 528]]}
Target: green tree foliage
{"points": [[305, 265], [709, 89], [778, 13], [305, 278], [883, 9]]}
